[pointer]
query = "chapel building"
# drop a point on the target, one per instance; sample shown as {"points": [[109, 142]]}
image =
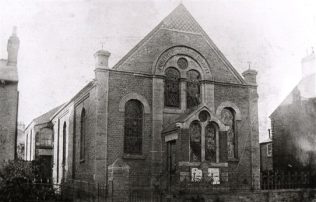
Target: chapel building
{"points": [[173, 111]]}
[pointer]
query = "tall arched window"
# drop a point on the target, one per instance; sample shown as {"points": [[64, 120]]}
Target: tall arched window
{"points": [[82, 133], [193, 88], [195, 141], [172, 88], [228, 118], [133, 129], [31, 146], [64, 144], [211, 131]]}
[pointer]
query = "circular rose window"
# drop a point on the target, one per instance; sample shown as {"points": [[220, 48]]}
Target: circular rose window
{"points": [[203, 116], [182, 63]]}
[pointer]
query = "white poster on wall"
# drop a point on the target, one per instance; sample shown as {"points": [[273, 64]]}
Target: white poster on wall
{"points": [[213, 173], [196, 175]]}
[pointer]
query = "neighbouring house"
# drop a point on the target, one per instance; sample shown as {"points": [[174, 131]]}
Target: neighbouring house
{"points": [[20, 141], [266, 162], [9, 97], [294, 124], [39, 143]]}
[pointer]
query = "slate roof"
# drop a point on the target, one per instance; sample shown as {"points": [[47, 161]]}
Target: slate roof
{"points": [[181, 19], [306, 89]]}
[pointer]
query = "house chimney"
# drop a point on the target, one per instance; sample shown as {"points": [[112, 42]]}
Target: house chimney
{"points": [[13, 48], [308, 64], [102, 59]]}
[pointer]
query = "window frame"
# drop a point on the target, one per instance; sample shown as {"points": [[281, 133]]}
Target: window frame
{"points": [[140, 135], [191, 82], [269, 152], [166, 104], [83, 125]]}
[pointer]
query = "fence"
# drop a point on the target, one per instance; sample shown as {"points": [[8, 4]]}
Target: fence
{"points": [[285, 180]]}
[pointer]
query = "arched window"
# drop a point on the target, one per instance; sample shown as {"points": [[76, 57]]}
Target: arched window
{"points": [[211, 131], [31, 146], [195, 141], [193, 88], [228, 118], [172, 88], [82, 133], [26, 146], [64, 144], [133, 129]]}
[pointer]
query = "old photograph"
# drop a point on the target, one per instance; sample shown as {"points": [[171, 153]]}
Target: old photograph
{"points": [[157, 100]]}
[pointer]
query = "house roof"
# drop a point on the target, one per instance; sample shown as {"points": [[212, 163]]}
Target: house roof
{"points": [[305, 89], [44, 118], [180, 19], [266, 141], [82, 91]]}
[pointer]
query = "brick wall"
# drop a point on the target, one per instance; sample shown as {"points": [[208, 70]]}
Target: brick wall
{"points": [[8, 121], [84, 169], [120, 85], [239, 96], [265, 161]]}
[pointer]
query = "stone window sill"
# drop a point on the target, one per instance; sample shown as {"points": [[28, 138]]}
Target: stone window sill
{"points": [[233, 160], [133, 156], [172, 110], [197, 164]]}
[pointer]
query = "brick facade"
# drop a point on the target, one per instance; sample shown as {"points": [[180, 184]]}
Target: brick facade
{"points": [[140, 76], [9, 101]]}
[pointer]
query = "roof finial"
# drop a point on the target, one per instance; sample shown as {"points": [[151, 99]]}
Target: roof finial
{"points": [[102, 44], [14, 31], [249, 64]]}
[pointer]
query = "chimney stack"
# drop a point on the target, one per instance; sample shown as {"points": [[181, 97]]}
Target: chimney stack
{"points": [[102, 59], [308, 65], [13, 48]]}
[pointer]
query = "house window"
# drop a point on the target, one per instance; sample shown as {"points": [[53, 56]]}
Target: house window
{"points": [[82, 133], [228, 118], [193, 88], [210, 142], [172, 88], [64, 143], [269, 150], [195, 141], [133, 129]]}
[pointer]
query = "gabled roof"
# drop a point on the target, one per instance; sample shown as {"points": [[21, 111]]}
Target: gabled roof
{"points": [[180, 19], [185, 117], [304, 90], [44, 118]]}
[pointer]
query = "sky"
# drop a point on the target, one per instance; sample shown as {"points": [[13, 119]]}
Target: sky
{"points": [[59, 37]]}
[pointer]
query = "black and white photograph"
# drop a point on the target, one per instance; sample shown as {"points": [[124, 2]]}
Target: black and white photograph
{"points": [[157, 101]]}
